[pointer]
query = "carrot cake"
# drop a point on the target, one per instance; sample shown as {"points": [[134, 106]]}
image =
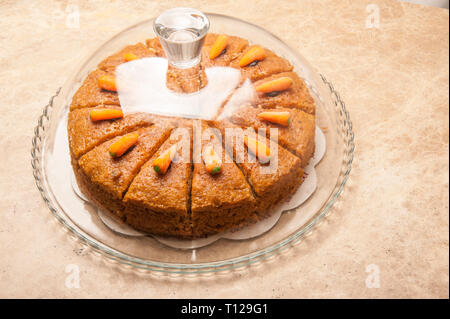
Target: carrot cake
{"points": [[159, 203], [296, 96], [269, 64], [187, 178], [298, 136], [221, 198], [234, 47], [106, 177], [85, 134], [91, 94], [270, 184]]}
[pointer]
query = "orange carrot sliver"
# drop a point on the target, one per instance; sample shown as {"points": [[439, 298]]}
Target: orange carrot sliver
{"points": [[257, 148], [280, 84], [130, 56], [282, 118], [105, 114], [161, 164], [254, 54], [213, 164], [107, 82], [219, 45], [119, 147]]}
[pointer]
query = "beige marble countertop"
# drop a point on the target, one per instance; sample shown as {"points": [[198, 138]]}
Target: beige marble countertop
{"points": [[392, 221]]}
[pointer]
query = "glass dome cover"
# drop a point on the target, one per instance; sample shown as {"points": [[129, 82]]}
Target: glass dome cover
{"points": [[146, 252]]}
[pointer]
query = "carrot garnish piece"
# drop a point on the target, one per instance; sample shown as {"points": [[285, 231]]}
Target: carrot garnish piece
{"points": [[213, 164], [107, 82], [130, 56], [162, 162], [254, 54], [276, 85], [219, 45], [119, 147], [257, 148], [105, 114], [282, 118]]}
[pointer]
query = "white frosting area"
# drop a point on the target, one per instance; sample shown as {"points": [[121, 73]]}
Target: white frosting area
{"points": [[141, 86], [243, 96]]}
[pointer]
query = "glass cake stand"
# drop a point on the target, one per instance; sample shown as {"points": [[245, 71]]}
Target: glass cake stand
{"points": [[146, 252]]}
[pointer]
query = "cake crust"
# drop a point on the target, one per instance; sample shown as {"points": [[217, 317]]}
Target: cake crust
{"points": [[90, 94]]}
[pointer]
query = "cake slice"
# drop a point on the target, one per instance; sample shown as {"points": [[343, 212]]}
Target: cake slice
{"points": [[272, 64], [297, 136], [235, 46], [104, 179], [138, 51], [297, 96], [158, 203], [221, 199], [90, 94], [271, 183], [85, 134]]}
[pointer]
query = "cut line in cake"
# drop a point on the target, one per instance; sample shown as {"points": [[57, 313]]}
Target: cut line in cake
{"points": [[306, 190]]}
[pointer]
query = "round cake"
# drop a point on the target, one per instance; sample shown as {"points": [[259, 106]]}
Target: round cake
{"points": [[185, 178]]}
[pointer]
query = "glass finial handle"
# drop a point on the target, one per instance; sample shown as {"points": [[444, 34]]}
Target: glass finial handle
{"points": [[181, 32]]}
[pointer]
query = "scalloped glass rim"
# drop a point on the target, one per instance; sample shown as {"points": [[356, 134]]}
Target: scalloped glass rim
{"points": [[45, 124]]}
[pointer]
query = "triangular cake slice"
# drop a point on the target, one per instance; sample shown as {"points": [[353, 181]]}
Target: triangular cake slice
{"points": [[90, 94], [85, 134], [297, 137], [220, 201], [139, 50], [271, 182], [235, 46], [107, 178], [159, 203], [297, 96], [270, 65]]}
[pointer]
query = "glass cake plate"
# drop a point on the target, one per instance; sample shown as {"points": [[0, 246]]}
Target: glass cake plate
{"points": [[145, 252]]}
